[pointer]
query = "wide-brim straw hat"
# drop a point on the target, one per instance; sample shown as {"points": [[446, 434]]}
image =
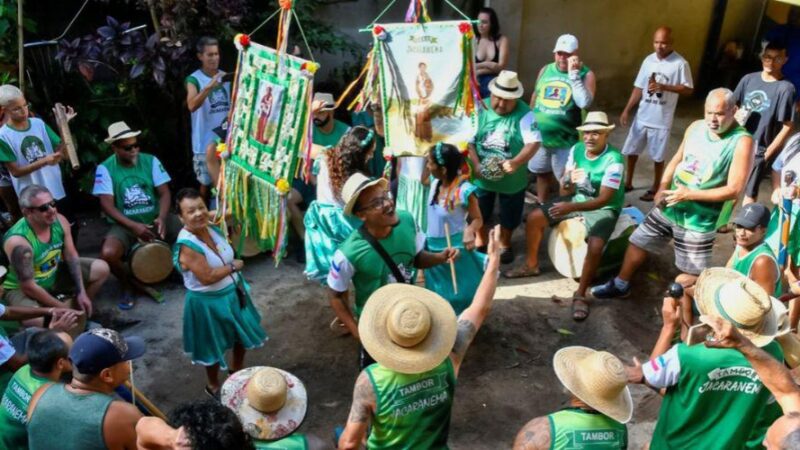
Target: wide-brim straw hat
{"points": [[726, 293], [353, 187], [120, 130], [506, 85], [261, 425], [789, 342], [323, 102], [596, 121], [407, 328], [597, 378]]}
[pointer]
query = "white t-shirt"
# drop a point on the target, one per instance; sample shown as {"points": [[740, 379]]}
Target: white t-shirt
{"points": [[655, 111], [6, 349], [24, 147]]}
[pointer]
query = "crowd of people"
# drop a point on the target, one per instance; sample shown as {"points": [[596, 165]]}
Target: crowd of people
{"points": [[371, 232]]}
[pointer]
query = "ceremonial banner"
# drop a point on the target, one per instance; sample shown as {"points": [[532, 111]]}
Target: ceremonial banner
{"points": [[269, 130], [427, 86]]}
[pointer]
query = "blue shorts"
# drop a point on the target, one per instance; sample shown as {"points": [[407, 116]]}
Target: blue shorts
{"points": [[511, 206]]}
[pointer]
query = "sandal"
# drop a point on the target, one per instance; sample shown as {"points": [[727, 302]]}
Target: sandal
{"points": [[648, 196], [127, 303], [522, 272], [629, 188], [580, 308], [211, 393], [338, 327]]}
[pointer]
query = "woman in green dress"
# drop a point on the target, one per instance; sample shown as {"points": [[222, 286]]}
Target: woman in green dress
{"points": [[218, 313]]}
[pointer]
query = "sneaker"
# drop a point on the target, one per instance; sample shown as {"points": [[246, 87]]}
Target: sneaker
{"points": [[506, 255], [609, 290]]}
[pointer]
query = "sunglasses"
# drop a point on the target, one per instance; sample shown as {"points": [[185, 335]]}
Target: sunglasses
{"points": [[44, 208], [129, 147]]}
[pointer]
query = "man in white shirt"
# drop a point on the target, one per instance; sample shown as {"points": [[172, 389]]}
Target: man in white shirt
{"points": [[663, 76]]}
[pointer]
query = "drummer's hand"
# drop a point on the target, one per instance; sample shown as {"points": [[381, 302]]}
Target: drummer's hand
{"points": [[449, 254], [238, 263], [561, 209], [64, 319], [85, 303], [161, 226], [143, 232]]}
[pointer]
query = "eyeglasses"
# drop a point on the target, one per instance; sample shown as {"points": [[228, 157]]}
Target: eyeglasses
{"points": [[19, 109], [377, 202], [44, 208], [129, 147], [769, 58]]}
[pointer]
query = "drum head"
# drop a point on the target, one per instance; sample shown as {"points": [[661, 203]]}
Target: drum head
{"points": [[151, 262], [249, 246], [567, 247]]}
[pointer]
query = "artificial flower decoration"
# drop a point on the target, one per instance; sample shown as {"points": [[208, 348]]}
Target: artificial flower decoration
{"points": [[465, 28], [463, 147], [310, 67], [241, 41], [285, 4], [221, 148], [283, 186], [380, 32]]}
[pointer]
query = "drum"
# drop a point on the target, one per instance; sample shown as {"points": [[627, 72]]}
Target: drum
{"points": [[151, 262], [249, 247]]}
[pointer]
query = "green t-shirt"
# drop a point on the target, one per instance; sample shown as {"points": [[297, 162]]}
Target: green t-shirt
{"points": [[504, 137], [555, 108], [46, 255], [332, 138], [412, 410], [292, 442], [716, 402], [705, 165], [744, 264], [606, 169], [574, 428], [14, 408], [133, 188]]}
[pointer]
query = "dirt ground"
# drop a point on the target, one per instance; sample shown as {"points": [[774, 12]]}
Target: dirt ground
{"points": [[507, 378]]}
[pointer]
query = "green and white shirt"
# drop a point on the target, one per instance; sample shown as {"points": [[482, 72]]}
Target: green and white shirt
{"points": [[46, 255], [744, 264], [133, 188], [14, 408], [24, 147], [714, 397], [574, 429], [606, 169], [211, 113], [555, 107]]}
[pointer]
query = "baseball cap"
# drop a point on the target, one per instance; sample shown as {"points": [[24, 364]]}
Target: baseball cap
{"points": [[752, 215], [566, 43], [101, 348]]}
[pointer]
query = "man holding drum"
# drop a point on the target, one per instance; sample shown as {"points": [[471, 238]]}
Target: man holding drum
{"points": [[135, 198]]}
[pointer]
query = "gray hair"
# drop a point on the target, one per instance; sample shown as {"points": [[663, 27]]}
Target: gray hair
{"points": [[792, 440], [204, 42], [9, 93], [29, 193], [726, 94]]}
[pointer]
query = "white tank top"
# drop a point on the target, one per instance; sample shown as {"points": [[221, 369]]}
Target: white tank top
{"points": [[225, 250]]}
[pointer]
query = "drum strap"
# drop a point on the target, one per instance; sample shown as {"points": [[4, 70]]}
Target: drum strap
{"points": [[398, 275]]}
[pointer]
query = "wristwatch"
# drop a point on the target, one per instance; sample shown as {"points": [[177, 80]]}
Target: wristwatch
{"points": [[233, 267]]}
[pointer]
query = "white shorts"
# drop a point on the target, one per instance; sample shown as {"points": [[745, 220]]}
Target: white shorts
{"points": [[656, 140], [549, 160]]}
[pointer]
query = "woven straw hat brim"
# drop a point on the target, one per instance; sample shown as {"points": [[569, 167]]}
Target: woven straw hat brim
{"points": [[502, 93], [422, 357], [351, 202], [595, 127], [709, 282], [619, 408], [259, 425], [127, 135]]}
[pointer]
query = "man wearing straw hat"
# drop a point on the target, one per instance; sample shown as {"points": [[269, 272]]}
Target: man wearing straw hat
{"points": [[134, 194], [593, 176], [506, 139], [709, 169], [599, 405], [384, 250], [413, 334], [714, 398], [84, 411]]}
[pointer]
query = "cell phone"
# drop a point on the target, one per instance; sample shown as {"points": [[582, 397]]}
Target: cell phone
{"points": [[698, 333], [227, 77]]}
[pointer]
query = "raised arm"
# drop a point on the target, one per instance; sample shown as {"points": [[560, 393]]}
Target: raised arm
{"points": [[195, 97], [361, 412]]}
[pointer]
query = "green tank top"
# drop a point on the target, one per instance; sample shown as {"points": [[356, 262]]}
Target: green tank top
{"points": [[555, 109], [595, 172], [46, 255], [716, 403], [14, 408], [501, 136], [135, 195], [744, 264], [704, 166], [413, 410], [771, 413], [78, 417], [292, 442], [371, 272], [574, 428]]}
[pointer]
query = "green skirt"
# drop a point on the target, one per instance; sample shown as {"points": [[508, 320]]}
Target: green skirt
{"points": [[326, 228], [412, 196], [470, 266], [213, 322]]}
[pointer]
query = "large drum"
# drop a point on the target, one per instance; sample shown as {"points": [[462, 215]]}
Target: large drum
{"points": [[151, 262], [249, 247]]}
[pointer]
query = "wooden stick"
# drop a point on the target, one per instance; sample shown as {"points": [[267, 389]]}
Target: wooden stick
{"points": [[146, 402], [66, 135], [452, 263]]}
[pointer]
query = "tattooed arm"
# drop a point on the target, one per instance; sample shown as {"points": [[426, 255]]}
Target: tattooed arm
{"points": [[21, 255], [470, 321], [73, 262], [535, 435], [364, 405]]}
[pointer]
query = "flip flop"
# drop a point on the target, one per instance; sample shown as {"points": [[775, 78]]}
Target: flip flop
{"points": [[338, 327], [522, 272], [629, 188], [580, 308], [127, 303], [648, 196]]}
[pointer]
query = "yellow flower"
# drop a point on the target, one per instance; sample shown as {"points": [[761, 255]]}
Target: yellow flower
{"points": [[221, 148], [283, 186]]}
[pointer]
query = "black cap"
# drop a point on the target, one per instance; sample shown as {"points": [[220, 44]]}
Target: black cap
{"points": [[752, 215], [102, 348]]}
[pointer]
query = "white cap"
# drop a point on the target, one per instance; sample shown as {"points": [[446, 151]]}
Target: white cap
{"points": [[566, 43]]}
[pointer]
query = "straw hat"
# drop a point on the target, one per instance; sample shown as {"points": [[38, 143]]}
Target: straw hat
{"points": [[789, 342], [271, 403], [120, 130], [506, 85], [597, 379], [407, 328], [354, 186], [596, 121], [726, 293], [322, 102]]}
